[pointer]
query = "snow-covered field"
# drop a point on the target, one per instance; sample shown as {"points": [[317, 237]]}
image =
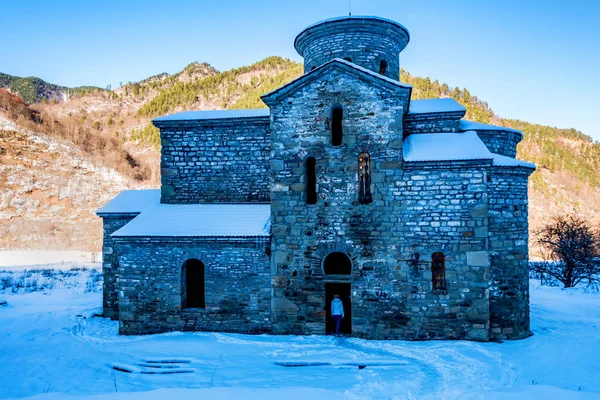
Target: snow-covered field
{"points": [[52, 345]]}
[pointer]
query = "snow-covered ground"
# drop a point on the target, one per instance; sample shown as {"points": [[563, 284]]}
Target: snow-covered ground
{"points": [[30, 258], [53, 346]]}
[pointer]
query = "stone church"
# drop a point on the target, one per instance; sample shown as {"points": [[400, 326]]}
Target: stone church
{"points": [[344, 185]]}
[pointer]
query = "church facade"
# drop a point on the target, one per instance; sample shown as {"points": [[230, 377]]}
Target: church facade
{"points": [[415, 217]]}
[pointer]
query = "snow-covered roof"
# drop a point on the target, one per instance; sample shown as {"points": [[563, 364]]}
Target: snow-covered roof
{"points": [[504, 161], [315, 72], [445, 147], [430, 106], [357, 18], [476, 126], [131, 202], [214, 114], [200, 220], [454, 147]]}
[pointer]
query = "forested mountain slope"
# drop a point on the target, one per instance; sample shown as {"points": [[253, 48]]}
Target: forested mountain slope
{"points": [[112, 129]]}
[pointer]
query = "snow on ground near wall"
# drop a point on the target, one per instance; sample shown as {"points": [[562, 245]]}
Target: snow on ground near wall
{"points": [[30, 258], [52, 347]]}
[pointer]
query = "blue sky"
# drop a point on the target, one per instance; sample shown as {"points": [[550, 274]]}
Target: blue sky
{"points": [[533, 60]]}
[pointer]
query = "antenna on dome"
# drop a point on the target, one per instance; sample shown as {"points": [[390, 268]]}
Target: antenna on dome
{"points": [[349, 8]]}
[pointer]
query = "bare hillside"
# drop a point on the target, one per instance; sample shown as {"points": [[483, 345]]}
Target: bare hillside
{"points": [[110, 144], [49, 191]]}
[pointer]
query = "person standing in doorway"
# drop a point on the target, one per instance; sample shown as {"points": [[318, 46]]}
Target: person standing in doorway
{"points": [[337, 312]]}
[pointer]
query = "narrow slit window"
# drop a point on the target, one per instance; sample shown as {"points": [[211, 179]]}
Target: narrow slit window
{"points": [[364, 179], [383, 67], [192, 284], [438, 271], [311, 180], [337, 115]]}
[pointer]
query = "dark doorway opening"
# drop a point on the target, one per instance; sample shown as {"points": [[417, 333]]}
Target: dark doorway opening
{"points": [[337, 263], [192, 284], [343, 290]]}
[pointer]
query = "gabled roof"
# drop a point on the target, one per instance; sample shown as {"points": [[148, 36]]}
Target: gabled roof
{"points": [[434, 106], [363, 73], [200, 220], [214, 114], [131, 202]]}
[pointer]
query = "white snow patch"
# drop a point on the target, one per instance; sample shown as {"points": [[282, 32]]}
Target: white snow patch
{"points": [[131, 202], [504, 161], [431, 106], [215, 114], [6, 124], [454, 147], [197, 220], [355, 17], [29, 258], [477, 126], [445, 147]]}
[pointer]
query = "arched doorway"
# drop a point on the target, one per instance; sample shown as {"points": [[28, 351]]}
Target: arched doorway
{"points": [[192, 284], [337, 267], [337, 263]]}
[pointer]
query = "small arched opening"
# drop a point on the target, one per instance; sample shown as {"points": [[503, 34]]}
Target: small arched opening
{"points": [[383, 67], [192, 284], [337, 115], [348, 59], [364, 179], [311, 180], [438, 271]]}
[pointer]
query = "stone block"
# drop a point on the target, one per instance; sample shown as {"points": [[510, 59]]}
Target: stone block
{"points": [[478, 258], [283, 305], [479, 211]]}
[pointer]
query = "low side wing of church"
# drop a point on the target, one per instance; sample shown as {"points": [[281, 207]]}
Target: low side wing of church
{"points": [[416, 218]]}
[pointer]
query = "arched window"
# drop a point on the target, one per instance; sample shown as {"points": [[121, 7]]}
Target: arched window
{"points": [[311, 180], [337, 115], [192, 284], [383, 67], [337, 263], [438, 271], [348, 59], [364, 179]]}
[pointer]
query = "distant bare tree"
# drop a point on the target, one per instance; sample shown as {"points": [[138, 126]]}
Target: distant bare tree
{"points": [[571, 250]]}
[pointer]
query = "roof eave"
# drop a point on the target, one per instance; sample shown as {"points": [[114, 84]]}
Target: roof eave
{"points": [[117, 214], [211, 121]]}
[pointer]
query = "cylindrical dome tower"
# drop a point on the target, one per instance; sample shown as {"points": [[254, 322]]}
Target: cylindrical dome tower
{"points": [[371, 42]]}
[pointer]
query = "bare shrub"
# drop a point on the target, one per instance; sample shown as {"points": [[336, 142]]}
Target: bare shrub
{"points": [[571, 250]]}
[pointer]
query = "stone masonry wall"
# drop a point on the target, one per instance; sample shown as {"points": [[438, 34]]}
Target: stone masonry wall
{"points": [[443, 208], [237, 285], [501, 142], [431, 123], [110, 263], [373, 49], [508, 224], [223, 161]]}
